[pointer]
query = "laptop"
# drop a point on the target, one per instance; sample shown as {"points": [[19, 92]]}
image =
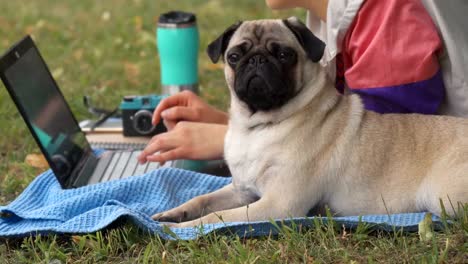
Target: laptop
{"points": [[54, 127]]}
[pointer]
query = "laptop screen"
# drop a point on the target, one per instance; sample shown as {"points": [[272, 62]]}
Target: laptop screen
{"points": [[46, 112]]}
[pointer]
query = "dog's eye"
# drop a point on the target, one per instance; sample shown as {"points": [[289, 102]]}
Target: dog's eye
{"points": [[284, 56], [233, 58]]}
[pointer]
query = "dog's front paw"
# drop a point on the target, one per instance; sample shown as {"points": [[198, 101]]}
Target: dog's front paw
{"points": [[176, 216]]}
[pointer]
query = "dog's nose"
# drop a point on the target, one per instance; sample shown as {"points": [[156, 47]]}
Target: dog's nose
{"points": [[257, 60]]}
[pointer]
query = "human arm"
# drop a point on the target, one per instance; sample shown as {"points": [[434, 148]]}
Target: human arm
{"points": [[187, 106], [195, 130], [187, 140]]}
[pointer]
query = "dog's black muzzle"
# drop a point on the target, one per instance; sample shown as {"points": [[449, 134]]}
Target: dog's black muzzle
{"points": [[261, 83]]}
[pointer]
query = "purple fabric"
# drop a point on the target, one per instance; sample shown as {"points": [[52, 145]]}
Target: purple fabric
{"points": [[420, 97]]}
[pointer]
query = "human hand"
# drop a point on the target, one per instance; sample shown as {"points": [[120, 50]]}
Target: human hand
{"points": [[187, 106], [187, 140]]}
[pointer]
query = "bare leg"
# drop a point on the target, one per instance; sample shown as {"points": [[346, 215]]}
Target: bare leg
{"points": [[225, 198]]}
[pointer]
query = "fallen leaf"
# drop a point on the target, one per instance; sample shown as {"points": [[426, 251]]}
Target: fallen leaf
{"points": [[76, 239], [37, 161], [40, 24], [57, 73], [106, 16], [29, 30], [131, 69]]}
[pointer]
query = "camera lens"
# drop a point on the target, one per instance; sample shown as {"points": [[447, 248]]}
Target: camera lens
{"points": [[142, 122]]}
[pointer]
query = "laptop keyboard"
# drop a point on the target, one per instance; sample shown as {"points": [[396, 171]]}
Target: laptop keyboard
{"points": [[116, 145], [124, 164]]}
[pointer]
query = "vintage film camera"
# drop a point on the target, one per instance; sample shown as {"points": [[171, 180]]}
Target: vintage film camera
{"points": [[137, 113]]}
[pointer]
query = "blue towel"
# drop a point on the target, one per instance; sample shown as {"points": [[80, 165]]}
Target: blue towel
{"points": [[44, 207]]}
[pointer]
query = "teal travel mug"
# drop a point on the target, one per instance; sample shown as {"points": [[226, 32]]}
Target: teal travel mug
{"points": [[177, 41]]}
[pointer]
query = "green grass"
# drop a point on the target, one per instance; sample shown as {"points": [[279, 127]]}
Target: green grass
{"points": [[106, 49], [323, 243]]}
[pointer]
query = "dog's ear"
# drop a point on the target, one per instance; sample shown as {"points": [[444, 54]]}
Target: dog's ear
{"points": [[218, 46], [312, 45]]}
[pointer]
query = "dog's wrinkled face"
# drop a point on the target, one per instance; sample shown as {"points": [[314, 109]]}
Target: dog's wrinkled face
{"points": [[264, 60]]}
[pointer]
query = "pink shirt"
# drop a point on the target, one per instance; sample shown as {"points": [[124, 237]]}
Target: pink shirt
{"points": [[389, 51], [390, 57], [390, 42]]}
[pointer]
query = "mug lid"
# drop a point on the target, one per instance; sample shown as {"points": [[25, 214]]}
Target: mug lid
{"points": [[177, 19]]}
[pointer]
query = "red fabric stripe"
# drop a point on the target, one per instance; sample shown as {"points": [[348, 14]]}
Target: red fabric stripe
{"points": [[391, 42]]}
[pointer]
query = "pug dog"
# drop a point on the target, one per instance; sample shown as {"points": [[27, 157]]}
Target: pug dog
{"points": [[294, 144]]}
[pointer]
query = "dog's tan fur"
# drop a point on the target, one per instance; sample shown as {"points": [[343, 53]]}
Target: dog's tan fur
{"points": [[322, 148]]}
